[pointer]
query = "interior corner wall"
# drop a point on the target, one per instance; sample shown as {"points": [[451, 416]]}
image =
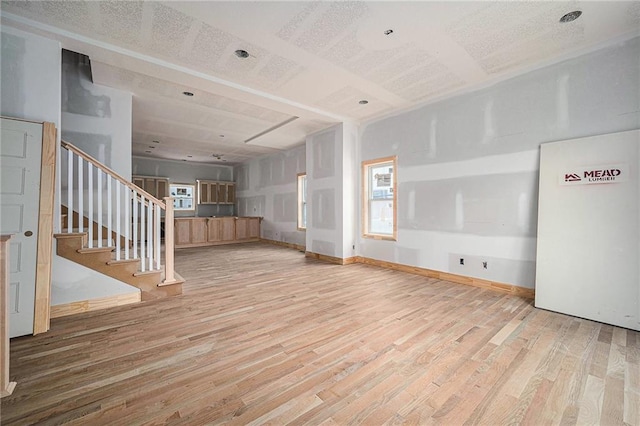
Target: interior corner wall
{"points": [[186, 172], [267, 187], [468, 166], [350, 181], [329, 203]]}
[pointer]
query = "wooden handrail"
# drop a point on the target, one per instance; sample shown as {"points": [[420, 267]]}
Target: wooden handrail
{"points": [[113, 174]]}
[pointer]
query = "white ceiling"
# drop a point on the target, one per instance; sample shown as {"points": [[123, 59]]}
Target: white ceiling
{"points": [[308, 59]]}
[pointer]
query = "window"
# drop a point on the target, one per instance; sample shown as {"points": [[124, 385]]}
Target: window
{"points": [[302, 201], [183, 196], [379, 204]]}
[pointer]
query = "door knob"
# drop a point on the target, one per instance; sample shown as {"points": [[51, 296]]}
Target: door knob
{"points": [[28, 234]]}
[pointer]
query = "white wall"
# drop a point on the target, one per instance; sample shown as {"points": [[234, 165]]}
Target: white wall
{"points": [[30, 76], [267, 187], [187, 173], [468, 165]]}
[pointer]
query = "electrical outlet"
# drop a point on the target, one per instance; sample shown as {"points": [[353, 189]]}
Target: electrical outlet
{"points": [[462, 261], [353, 246], [484, 265]]}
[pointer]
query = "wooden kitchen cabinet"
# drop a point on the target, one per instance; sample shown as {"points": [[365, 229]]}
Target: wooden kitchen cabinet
{"points": [[242, 228], [208, 231], [228, 226], [214, 230], [211, 192], [156, 186], [199, 232]]}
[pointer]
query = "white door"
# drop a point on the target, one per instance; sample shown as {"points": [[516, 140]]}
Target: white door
{"points": [[20, 156], [589, 228]]}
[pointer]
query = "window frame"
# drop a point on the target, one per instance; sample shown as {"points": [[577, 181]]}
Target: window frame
{"points": [[302, 201], [366, 197]]}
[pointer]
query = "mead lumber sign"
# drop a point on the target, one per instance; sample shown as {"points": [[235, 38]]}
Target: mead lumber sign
{"points": [[595, 175]]}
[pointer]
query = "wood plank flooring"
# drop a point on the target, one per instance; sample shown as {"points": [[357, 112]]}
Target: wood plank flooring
{"points": [[263, 335]]}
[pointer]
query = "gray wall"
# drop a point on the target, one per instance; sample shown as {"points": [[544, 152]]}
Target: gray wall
{"points": [[468, 165], [96, 119], [267, 187], [187, 172]]}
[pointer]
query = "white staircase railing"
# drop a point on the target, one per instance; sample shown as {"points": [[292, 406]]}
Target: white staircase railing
{"points": [[130, 216]]}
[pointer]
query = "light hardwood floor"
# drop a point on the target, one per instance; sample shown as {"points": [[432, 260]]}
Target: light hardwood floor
{"points": [[263, 335]]}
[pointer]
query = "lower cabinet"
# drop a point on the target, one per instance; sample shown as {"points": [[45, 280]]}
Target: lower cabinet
{"points": [[204, 231]]}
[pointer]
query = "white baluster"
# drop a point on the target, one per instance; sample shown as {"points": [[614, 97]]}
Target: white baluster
{"points": [[90, 201], [80, 194], [100, 194], [69, 191], [109, 210], [127, 222], [142, 235], [150, 234], [134, 219], [157, 239], [118, 233]]}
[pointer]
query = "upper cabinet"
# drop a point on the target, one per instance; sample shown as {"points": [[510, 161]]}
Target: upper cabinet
{"points": [[210, 192], [156, 186]]}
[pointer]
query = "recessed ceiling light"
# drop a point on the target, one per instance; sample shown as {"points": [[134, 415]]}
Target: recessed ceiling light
{"points": [[184, 159], [363, 102], [187, 93], [152, 147], [189, 156], [222, 136], [388, 32], [241, 53], [148, 152], [571, 16], [155, 141], [224, 160]]}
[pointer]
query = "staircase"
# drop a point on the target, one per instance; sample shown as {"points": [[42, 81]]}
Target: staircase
{"points": [[114, 227]]}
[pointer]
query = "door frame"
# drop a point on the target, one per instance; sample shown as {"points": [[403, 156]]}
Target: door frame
{"points": [[44, 254], [44, 250]]}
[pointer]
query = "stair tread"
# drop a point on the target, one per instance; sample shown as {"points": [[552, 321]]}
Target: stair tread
{"points": [[141, 273], [69, 234], [122, 261], [95, 249]]}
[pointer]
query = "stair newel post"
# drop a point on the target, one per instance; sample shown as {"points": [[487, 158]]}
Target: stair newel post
{"points": [[169, 236]]}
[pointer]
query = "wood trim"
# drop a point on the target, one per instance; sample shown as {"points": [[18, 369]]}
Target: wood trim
{"points": [[331, 259], [94, 304], [299, 193], [284, 244], [44, 254], [364, 187], [113, 174], [528, 293], [6, 387], [21, 119]]}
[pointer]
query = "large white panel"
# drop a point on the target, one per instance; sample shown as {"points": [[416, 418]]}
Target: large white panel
{"points": [[588, 234]]}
